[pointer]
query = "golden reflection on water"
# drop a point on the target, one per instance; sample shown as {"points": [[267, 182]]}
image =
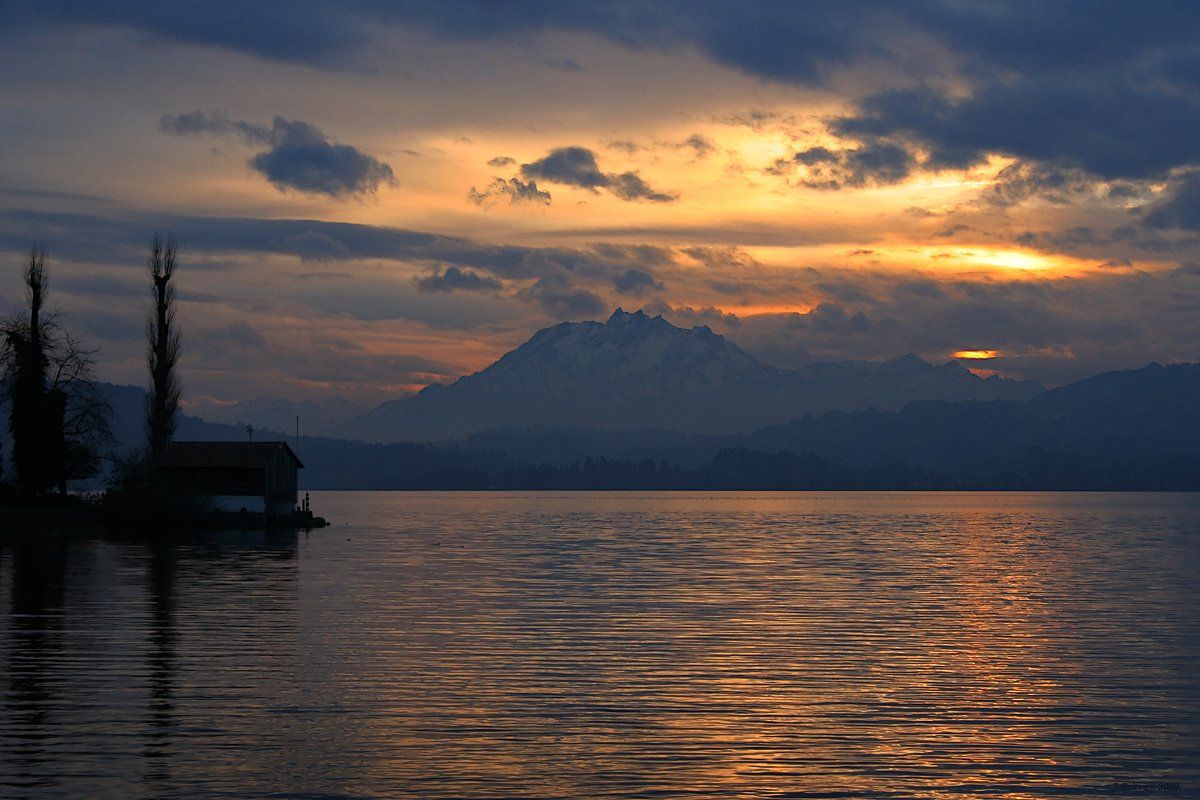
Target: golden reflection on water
{"points": [[621, 645]]}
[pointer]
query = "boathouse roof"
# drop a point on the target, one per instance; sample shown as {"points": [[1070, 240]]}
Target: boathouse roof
{"points": [[223, 455]]}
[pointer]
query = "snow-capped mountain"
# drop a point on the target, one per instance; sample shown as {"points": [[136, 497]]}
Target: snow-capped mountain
{"points": [[637, 371]]}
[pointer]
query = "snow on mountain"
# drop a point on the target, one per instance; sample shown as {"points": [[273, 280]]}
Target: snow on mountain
{"points": [[637, 371]]}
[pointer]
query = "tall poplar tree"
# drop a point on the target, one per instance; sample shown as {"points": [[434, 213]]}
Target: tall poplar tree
{"points": [[164, 348], [58, 417], [26, 366]]}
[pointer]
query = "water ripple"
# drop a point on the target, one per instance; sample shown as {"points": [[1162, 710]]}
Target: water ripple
{"points": [[616, 645]]}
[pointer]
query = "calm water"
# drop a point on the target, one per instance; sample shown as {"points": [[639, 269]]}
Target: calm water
{"points": [[616, 645]]}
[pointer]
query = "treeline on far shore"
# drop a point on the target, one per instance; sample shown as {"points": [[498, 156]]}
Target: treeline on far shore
{"points": [[929, 445], [750, 470]]}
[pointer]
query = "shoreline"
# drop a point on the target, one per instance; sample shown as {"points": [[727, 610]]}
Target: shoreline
{"points": [[18, 519]]}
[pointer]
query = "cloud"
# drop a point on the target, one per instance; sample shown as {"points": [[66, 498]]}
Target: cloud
{"points": [[688, 316], [1109, 127], [454, 279], [557, 296], [1053, 184], [630, 186], [873, 163], [831, 319], [1063, 241], [298, 157], [624, 145], [563, 64], [1181, 207], [636, 282], [516, 190], [574, 166], [302, 158], [501, 161], [238, 334], [1109, 318], [197, 122], [1052, 331], [720, 257], [122, 238], [577, 166], [701, 146], [1119, 102]]}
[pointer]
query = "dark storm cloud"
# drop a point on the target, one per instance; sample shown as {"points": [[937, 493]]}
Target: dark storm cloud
{"points": [[516, 190], [781, 41], [1105, 125], [577, 166], [792, 42], [453, 279], [299, 155], [1181, 207], [1108, 87], [320, 33]]}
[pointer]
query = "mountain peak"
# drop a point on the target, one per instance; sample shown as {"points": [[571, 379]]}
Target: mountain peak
{"points": [[621, 316], [908, 360], [639, 371]]}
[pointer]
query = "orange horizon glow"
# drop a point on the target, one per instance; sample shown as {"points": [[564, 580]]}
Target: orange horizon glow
{"points": [[977, 355]]}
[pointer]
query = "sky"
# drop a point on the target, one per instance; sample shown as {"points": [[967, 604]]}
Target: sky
{"points": [[369, 197]]}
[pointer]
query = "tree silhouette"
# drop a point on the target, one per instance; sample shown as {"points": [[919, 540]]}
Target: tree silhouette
{"points": [[164, 349], [25, 370], [58, 418]]}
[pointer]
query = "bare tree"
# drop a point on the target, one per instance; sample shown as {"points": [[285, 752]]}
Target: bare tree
{"points": [[86, 409], [25, 366], [164, 348], [59, 419]]}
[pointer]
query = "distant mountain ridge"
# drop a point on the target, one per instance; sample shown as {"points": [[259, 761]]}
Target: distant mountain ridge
{"points": [[317, 418], [641, 372], [1133, 429]]}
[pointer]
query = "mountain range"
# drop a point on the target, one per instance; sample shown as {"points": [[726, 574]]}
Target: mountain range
{"points": [[636, 403], [641, 372]]}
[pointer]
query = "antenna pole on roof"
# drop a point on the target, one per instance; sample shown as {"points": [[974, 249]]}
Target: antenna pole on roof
{"points": [[297, 434], [250, 431]]}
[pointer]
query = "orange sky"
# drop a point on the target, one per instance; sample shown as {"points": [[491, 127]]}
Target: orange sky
{"points": [[720, 195]]}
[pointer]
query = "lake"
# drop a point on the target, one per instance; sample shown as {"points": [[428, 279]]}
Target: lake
{"points": [[616, 645]]}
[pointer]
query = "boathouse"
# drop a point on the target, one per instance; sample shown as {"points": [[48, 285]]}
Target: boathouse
{"points": [[258, 477]]}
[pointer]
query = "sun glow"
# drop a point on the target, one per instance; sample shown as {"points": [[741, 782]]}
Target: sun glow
{"points": [[977, 355], [1013, 259]]}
